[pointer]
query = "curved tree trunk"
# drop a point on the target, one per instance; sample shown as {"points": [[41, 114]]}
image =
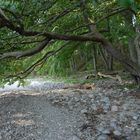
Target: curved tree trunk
{"points": [[128, 64]]}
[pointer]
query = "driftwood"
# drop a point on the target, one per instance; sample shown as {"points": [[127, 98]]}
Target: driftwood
{"points": [[116, 77], [113, 75]]}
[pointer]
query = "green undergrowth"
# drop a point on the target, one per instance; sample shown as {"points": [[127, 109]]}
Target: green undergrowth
{"points": [[80, 78], [129, 86], [73, 79]]}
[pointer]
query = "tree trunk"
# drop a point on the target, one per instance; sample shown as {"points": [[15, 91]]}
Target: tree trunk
{"points": [[128, 64], [137, 47], [104, 58], [94, 58], [110, 65], [132, 50]]}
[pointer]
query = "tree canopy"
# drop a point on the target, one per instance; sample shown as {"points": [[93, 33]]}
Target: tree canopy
{"points": [[65, 36]]}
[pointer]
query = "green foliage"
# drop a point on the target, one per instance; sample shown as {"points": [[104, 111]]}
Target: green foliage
{"points": [[129, 4], [76, 56], [129, 86]]}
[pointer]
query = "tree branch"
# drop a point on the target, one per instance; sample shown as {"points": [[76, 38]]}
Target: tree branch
{"points": [[60, 15], [29, 52], [99, 20], [39, 62], [49, 35]]}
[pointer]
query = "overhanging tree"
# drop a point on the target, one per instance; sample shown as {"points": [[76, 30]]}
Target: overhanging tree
{"points": [[31, 28]]}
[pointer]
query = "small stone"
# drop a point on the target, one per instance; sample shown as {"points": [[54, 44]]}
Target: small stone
{"points": [[114, 108], [103, 137], [135, 117], [117, 133], [106, 100], [83, 100], [107, 131], [76, 99], [106, 107], [126, 89], [74, 138], [71, 107], [113, 125], [90, 95], [128, 130], [84, 111], [125, 107], [94, 107], [100, 129]]}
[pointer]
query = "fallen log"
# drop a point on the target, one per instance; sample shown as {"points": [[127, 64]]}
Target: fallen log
{"points": [[113, 75], [116, 77]]}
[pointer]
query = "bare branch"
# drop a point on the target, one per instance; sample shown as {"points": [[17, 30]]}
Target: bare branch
{"points": [[18, 20], [27, 42], [29, 52], [112, 14], [49, 35], [3, 15]]}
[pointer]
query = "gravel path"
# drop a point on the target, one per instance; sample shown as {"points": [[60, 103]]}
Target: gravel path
{"points": [[25, 117], [105, 113]]}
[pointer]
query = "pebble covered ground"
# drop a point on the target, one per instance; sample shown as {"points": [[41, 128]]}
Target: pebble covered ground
{"points": [[104, 113]]}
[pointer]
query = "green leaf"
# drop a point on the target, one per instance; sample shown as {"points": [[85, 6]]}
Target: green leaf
{"points": [[126, 3]]}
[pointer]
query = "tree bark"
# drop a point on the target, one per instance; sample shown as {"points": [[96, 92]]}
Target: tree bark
{"points": [[129, 65], [94, 57], [110, 63], [137, 47], [104, 58]]}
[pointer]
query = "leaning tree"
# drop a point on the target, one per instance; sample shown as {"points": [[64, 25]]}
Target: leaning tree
{"points": [[30, 29]]}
